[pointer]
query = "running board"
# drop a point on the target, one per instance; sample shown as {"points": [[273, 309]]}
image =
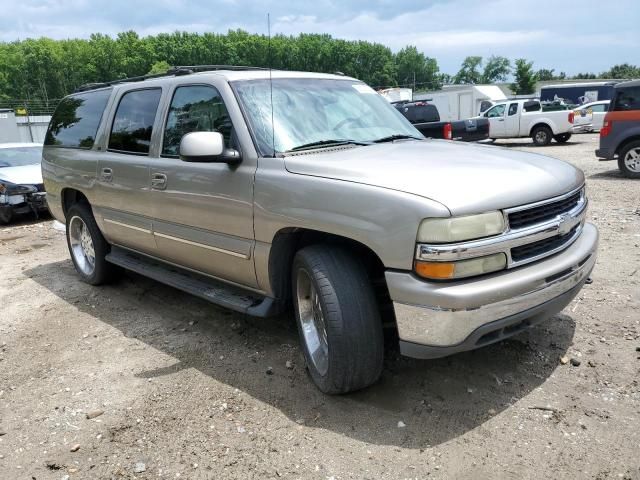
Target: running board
{"points": [[228, 296]]}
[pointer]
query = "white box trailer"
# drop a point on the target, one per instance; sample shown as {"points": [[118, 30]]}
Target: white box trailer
{"points": [[459, 102], [397, 94]]}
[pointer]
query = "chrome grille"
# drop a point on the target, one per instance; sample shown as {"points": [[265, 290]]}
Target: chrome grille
{"points": [[535, 249], [542, 213]]}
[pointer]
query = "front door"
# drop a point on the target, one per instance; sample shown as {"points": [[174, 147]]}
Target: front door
{"points": [[123, 205], [203, 212], [496, 120]]}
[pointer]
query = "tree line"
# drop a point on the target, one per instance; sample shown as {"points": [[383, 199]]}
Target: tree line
{"points": [[43, 69]]}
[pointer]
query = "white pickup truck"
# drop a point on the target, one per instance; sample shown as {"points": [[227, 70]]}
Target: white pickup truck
{"points": [[526, 118]]}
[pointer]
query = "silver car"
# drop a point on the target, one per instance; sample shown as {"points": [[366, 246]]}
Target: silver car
{"points": [[21, 186], [264, 191]]}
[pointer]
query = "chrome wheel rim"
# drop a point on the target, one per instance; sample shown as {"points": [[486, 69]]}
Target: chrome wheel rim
{"points": [[82, 246], [632, 160], [312, 322], [541, 136]]}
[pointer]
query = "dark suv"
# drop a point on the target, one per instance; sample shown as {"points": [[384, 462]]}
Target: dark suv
{"points": [[620, 133]]}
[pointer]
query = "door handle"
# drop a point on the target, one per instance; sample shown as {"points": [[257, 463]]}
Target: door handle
{"points": [[501, 119], [158, 181], [106, 175]]}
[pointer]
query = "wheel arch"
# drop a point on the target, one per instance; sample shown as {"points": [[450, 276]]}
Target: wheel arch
{"points": [[287, 241], [540, 124], [70, 196], [627, 141]]}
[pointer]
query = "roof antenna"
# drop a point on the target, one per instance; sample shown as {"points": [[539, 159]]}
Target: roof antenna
{"points": [[273, 128]]}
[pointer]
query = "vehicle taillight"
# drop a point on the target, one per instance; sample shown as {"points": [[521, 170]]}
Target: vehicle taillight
{"points": [[606, 128], [447, 131], [571, 117]]}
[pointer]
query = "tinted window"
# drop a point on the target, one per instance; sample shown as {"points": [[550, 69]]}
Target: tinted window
{"points": [[532, 106], [133, 122], [76, 119], [513, 109], [195, 108], [627, 99], [426, 113], [601, 107]]}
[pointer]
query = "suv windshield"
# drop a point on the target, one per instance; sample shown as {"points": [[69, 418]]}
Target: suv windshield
{"points": [[309, 111], [20, 156]]}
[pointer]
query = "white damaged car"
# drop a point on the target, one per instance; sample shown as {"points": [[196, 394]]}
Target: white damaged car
{"points": [[21, 186]]}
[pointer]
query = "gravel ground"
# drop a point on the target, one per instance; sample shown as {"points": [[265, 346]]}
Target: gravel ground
{"points": [[184, 389]]}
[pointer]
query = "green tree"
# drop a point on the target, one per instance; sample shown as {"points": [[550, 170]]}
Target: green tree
{"points": [[545, 74], [496, 69], [417, 70], [623, 70], [585, 76], [159, 67], [524, 78], [469, 71]]}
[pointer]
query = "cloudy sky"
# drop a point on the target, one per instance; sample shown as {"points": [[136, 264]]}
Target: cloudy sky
{"points": [[567, 35]]}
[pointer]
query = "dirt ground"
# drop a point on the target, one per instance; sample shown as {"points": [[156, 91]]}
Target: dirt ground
{"points": [[185, 391]]}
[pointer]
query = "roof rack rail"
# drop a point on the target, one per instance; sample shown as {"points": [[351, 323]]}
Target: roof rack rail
{"points": [[175, 71]]}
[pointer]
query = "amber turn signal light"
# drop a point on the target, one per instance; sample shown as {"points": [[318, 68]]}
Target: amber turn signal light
{"points": [[435, 270]]}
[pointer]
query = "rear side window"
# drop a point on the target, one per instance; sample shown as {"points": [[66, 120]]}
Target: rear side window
{"points": [[426, 113], [76, 119], [627, 99], [195, 108], [133, 123]]}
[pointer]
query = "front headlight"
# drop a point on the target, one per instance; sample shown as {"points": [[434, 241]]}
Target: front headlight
{"points": [[457, 229], [15, 189]]}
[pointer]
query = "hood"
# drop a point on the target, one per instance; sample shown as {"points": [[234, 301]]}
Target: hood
{"points": [[466, 178], [24, 175]]}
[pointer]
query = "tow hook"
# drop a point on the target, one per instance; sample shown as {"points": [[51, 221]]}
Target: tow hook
{"points": [[588, 281]]}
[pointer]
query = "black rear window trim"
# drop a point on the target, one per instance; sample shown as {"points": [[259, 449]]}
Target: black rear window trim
{"points": [[113, 120]]}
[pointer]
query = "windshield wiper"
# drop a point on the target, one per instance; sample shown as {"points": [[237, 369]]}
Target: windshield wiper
{"points": [[396, 136], [332, 142]]}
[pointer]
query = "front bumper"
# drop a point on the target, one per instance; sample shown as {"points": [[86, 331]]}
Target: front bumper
{"points": [[436, 319], [31, 202]]}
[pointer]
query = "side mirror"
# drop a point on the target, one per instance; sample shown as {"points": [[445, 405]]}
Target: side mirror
{"points": [[207, 147]]}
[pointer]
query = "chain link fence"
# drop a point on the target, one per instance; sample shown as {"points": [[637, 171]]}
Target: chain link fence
{"points": [[25, 107]]}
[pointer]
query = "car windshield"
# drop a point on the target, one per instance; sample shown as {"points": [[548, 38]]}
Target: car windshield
{"points": [[317, 111], [20, 156]]}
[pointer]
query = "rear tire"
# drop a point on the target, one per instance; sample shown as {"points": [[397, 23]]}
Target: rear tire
{"points": [[562, 138], [338, 319], [629, 160], [6, 214], [87, 247], [541, 136]]}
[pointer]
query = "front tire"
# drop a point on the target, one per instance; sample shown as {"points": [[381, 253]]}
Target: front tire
{"points": [[338, 319], [562, 138], [87, 247], [541, 136], [629, 160]]}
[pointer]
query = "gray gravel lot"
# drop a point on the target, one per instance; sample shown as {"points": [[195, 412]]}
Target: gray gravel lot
{"points": [[185, 391]]}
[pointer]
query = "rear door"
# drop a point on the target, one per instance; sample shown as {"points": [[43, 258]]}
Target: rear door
{"points": [[203, 212], [123, 203], [512, 120]]}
